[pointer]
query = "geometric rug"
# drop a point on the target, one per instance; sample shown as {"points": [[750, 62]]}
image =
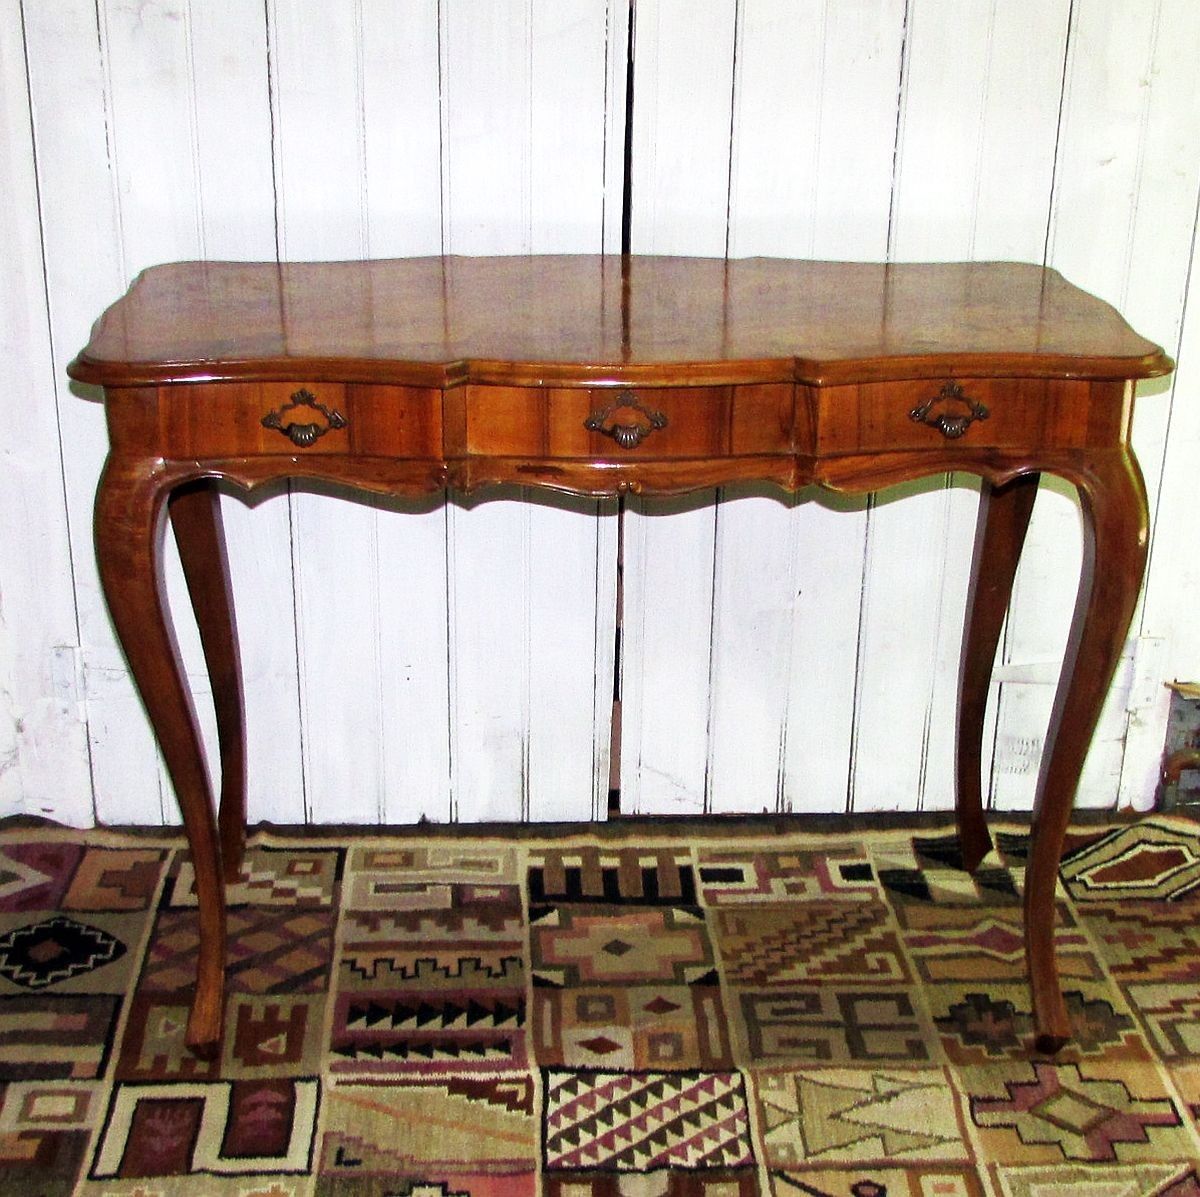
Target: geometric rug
{"points": [[651, 1012]]}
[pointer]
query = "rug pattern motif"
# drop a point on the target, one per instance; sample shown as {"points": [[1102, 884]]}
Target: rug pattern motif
{"points": [[825, 1015]]}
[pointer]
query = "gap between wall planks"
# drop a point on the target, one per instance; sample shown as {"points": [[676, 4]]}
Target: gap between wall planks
{"points": [[780, 656]]}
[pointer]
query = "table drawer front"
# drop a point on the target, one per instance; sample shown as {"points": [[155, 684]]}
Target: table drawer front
{"points": [[1009, 413], [299, 418], [628, 423]]}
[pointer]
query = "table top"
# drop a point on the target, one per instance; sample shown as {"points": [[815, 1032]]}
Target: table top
{"points": [[596, 320]]}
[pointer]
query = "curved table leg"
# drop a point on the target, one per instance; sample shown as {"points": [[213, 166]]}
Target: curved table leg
{"points": [[999, 536], [1116, 532], [129, 534], [195, 511]]}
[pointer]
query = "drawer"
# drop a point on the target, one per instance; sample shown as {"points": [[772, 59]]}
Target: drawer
{"points": [[1006, 413], [592, 423], [231, 419]]}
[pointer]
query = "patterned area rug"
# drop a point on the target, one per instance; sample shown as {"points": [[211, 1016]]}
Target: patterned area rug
{"points": [[664, 1015]]}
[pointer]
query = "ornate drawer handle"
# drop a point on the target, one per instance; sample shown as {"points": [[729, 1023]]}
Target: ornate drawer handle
{"points": [[949, 424], [631, 432], [310, 431]]}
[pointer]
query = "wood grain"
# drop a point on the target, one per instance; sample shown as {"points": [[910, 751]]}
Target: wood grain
{"points": [[595, 320]]}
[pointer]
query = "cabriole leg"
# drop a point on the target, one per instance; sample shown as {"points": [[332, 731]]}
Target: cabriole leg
{"points": [[999, 536], [1116, 532], [129, 538], [196, 517]]}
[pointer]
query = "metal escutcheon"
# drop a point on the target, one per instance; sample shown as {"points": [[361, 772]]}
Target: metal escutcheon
{"points": [[627, 433], [306, 433], [951, 423]]}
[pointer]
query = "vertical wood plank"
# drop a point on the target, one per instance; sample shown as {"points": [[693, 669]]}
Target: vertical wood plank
{"points": [[85, 272], [666, 654], [757, 580], [1160, 276], [402, 160], [230, 89], [44, 767], [682, 99], [487, 208], [402, 128], [824, 78], [152, 132], [616, 53], [525, 172], [952, 199], [321, 184]]}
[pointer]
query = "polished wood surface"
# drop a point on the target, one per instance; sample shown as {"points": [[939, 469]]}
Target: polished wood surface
{"points": [[578, 320], [598, 376]]}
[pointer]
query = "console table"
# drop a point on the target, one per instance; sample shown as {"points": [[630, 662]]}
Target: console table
{"points": [[598, 375]]}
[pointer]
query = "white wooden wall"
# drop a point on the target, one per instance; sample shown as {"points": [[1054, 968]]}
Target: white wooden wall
{"points": [[454, 660]]}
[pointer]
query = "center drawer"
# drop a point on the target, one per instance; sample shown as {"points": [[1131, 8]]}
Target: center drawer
{"points": [[628, 422]]}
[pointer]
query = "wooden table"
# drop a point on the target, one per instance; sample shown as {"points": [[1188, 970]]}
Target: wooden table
{"points": [[598, 375]]}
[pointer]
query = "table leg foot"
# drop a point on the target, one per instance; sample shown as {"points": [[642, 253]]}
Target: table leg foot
{"points": [[203, 1036], [1049, 1044], [973, 845], [1004, 513], [1116, 532]]}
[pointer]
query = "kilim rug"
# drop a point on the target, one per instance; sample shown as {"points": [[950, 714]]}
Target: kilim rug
{"points": [[648, 1013]]}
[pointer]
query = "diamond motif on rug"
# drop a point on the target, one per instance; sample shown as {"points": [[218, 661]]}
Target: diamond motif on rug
{"points": [[1087, 1118], [42, 954], [632, 1026], [621, 946], [272, 950], [291, 876], [638, 1122], [1145, 860]]}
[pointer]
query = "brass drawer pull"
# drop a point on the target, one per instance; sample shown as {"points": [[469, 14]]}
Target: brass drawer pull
{"points": [[306, 432], [951, 424], [629, 433]]}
